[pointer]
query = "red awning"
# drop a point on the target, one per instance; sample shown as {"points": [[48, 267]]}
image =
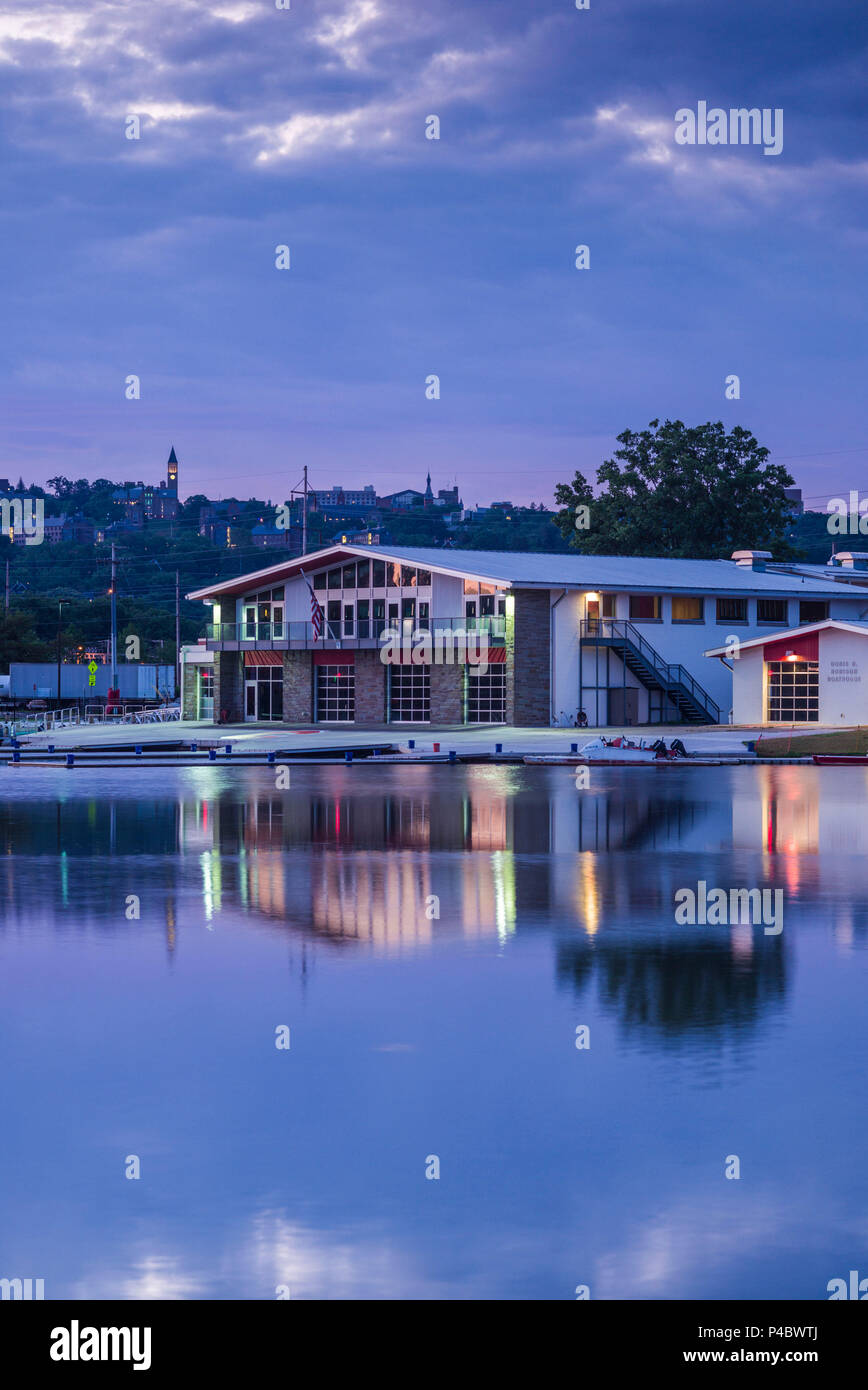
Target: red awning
{"points": [[807, 647], [334, 657], [263, 659]]}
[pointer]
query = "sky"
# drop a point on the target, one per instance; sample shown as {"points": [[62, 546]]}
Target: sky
{"points": [[412, 257]]}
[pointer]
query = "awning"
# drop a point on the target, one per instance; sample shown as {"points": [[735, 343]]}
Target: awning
{"points": [[263, 659], [334, 656]]}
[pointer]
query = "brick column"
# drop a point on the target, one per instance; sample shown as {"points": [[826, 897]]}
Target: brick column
{"points": [[528, 660], [447, 694], [297, 687], [229, 686], [370, 688]]}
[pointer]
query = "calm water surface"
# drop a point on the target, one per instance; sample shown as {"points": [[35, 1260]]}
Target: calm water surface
{"points": [[413, 1035]]}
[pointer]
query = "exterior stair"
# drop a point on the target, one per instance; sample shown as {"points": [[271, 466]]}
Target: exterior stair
{"points": [[694, 704]]}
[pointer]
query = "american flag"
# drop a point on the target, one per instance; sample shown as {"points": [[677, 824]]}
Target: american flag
{"points": [[315, 611]]}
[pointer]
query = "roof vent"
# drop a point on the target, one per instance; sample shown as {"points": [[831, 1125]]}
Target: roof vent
{"points": [[751, 559], [851, 559]]}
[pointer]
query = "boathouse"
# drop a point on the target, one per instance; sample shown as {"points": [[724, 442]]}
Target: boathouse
{"points": [[816, 674], [312, 640]]}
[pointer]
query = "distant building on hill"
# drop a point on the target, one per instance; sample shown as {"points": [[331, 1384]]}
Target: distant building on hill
{"points": [[143, 502], [338, 496]]}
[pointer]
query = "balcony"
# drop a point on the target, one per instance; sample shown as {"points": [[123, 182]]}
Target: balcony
{"points": [[341, 636]]}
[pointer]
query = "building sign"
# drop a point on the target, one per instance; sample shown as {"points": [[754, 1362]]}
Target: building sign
{"points": [[844, 671]]}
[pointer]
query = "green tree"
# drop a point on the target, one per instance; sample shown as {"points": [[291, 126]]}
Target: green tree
{"points": [[685, 491], [19, 641]]}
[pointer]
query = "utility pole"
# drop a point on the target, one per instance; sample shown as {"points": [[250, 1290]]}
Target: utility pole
{"points": [[60, 603], [304, 516], [178, 631], [114, 642]]}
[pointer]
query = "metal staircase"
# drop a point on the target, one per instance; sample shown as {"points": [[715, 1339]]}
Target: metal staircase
{"points": [[694, 704]]}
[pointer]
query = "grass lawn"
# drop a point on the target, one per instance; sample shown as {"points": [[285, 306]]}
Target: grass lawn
{"points": [[847, 741]]}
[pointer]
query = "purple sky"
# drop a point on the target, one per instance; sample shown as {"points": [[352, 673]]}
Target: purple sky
{"points": [[412, 256]]}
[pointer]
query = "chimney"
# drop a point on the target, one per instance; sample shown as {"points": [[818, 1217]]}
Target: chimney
{"points": [[751, 559], [851, 559]]}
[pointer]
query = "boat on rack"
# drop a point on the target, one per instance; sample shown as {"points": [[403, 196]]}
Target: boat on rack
{"points": [[623, 752]]}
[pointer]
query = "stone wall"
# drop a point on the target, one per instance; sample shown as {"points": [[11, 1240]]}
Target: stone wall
{"points": [[528, 658], [297, 687], [188, 690], [229, 686], [447, 694]]}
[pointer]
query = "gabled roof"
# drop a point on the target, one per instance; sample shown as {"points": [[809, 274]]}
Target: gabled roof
{"points": [[522, 569], [861, 630]]}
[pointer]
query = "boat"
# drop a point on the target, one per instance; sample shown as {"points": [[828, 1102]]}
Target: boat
{"points": [[841, 759], [611, 752]]}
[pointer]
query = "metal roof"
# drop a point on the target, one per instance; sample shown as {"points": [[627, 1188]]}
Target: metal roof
{"points": [[861, 630], [523, 569]]}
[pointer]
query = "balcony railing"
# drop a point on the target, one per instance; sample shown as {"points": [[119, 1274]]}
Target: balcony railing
{"points": [[358, 632]]}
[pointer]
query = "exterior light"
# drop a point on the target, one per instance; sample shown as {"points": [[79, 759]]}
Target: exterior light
{"points": [[791, 656]]}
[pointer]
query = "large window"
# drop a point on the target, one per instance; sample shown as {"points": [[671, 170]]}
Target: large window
{"points": [[410, 694], [688, 609], [644, 608], [794, 692], [732, 610], [813, 610], [772, 611], [336, 694], [486, 695]]}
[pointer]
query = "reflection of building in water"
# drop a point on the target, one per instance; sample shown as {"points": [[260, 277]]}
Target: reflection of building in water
{"points": [[361, 854], [387, 869], [381, 898], [801, 810]]}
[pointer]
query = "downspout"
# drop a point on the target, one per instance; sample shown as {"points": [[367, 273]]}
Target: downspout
{"points": [[729, 668], [552, 662]]}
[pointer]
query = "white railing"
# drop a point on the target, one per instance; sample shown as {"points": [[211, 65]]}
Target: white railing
{"points": [[47, 721], [60, 718]]}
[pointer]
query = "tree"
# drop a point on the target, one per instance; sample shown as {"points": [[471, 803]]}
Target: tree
{"points": [[681, 491], [19, 641]]}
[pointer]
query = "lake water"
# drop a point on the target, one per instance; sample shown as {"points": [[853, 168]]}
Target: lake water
{"points": [[416, 1036]]}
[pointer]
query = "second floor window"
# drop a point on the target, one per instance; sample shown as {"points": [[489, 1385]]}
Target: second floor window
{"points": [[644, 608], [772, 610], [688, 609], [813, 610], [732, 610]]}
